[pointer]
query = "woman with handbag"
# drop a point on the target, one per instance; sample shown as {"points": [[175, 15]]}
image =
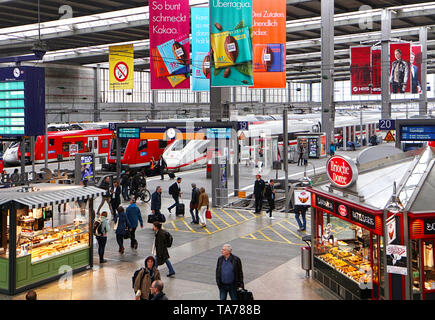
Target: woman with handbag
{"points": [[122, 228], [203, 204]]}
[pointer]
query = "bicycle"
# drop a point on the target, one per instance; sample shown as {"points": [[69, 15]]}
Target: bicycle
{"points": [[144, 194]]}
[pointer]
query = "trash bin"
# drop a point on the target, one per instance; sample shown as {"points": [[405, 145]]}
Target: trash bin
{"points": [[306, 259]]}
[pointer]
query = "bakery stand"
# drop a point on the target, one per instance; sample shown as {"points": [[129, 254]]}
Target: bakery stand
{"points": [[68, 248]]}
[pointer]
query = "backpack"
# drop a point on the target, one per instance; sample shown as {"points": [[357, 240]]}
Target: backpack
{"points": [[97, 228], [172, 189], [133, 279], [169, 239]]}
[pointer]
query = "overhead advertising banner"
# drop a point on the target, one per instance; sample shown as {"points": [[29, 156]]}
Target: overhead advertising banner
{"points": [[400, 54], [200, 49], [415, 69], [121, 67], [169, 44], [360, 58], [376, 70], [231, 43], [268, 43]]}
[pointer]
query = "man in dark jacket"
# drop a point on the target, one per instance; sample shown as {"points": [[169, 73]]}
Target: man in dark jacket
{"points": [[156, 202], [136, 184], [194, 204], [115, 195], [160, 248], [258, 193], [161, 166], [157, 290], [125, 184], [229, 273], [269, 194], [175, 192], [134, 216]]}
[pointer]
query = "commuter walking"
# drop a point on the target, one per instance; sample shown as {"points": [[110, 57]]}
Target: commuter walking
{"points": [[258, 193], [301, 154], [115, 195], [105, 184], [229, 273], [157, 291], [137, 183], [144, 278], [332, 149], [125, 184], [156, 201], [121, 229], [300, 211], [194, 204], [101, 235], [160, 248], [161, 166], [203, 204], [134, 217], [305, 155], [269, 194], [175, 192]]}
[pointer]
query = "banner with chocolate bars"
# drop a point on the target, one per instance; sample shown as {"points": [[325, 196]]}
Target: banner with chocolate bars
{"points": [[200, 49], [169, 44], [231, 43], [269, 39]]}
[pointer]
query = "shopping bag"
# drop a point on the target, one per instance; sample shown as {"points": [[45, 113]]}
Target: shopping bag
{"points": [[208, 214]]}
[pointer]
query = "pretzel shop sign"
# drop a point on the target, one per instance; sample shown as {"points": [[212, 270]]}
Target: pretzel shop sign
{"points": [[342, 171]]}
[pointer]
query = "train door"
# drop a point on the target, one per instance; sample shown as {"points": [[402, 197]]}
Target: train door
{"points": [[93, 144]]}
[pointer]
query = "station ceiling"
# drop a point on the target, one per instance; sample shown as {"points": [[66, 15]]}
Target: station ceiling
{"points": [[73, 41]]}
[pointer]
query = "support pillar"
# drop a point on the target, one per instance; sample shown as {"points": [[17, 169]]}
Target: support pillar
{"points": [[97, 93], [385, 63], [285, 160], [327, 34], [422, 108]]}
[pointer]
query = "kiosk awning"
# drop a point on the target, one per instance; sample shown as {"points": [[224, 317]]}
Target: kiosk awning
{"points": [[49, 194]]}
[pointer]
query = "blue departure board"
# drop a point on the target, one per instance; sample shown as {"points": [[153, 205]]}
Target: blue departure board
{"points": [[128, 133], [22, 101], [418, 133]]}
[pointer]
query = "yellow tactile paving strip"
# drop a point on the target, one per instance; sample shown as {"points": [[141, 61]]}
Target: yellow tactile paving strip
{"points": [[221, 219], [281, 231]]}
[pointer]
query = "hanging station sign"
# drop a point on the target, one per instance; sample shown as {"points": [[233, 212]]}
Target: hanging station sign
{"points": [[342, 171]]}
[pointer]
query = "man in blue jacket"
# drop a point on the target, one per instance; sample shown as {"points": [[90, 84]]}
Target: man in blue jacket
{"points": [[134, 216]]}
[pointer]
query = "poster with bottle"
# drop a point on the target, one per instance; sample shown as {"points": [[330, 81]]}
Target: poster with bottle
{"points": [[268, 41], [376, 70], [231, 43], [200, 49], [169, 44]]}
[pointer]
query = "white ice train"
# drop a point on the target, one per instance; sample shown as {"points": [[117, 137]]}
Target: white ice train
{"points": [[189, 154]]}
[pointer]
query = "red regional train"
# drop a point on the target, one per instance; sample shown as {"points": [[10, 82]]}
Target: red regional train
{"points": [[95, 140]]}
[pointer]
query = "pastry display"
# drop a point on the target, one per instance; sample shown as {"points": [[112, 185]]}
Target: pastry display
{"points": [[54, 241], [347, 263]]}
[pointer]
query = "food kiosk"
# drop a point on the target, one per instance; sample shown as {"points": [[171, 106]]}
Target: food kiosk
{"points": [[361, 247], [51, 226]]}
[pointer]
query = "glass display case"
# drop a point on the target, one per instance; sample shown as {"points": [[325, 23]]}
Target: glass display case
{"points": [[41, 236]]}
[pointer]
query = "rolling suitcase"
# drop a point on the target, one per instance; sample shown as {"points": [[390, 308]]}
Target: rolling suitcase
{"points": [[179, 211], [171, 175]]}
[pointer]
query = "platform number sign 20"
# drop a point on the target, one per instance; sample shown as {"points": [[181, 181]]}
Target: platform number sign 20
{"points": [[387, 124]]}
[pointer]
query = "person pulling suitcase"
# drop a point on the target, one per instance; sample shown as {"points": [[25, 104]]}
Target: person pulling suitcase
{"points": [[175, 192]]}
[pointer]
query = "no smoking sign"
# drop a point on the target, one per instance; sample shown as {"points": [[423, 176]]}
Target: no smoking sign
{"points": [[121, 71]]}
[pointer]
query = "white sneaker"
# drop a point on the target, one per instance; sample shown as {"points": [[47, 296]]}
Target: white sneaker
{"points": [[271, 218]]}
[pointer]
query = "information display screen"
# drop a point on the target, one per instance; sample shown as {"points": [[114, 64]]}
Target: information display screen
{"points": [[417, 133], [129, 133], [218, 133], [12, 113]]}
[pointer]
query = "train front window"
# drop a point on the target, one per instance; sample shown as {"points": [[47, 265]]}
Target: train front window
{"points": [[179, 145], [113, 146], [143, 144]]}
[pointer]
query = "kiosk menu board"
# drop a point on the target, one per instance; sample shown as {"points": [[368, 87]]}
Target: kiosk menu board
{"points": [[22, 101]]}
